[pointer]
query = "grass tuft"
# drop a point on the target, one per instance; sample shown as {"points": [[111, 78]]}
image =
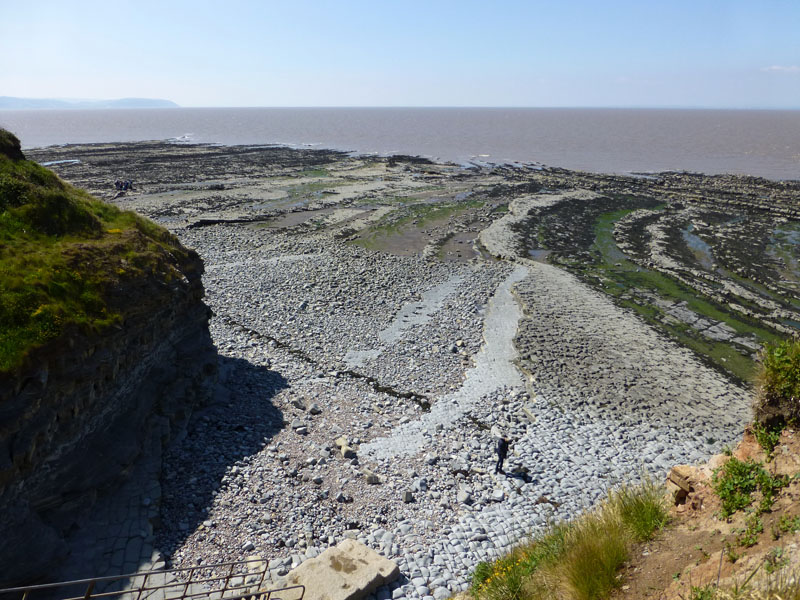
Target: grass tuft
{"points": [[597, 547], [643, 508]]}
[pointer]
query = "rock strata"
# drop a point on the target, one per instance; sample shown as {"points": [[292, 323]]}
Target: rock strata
{"points": [[79, 417]]}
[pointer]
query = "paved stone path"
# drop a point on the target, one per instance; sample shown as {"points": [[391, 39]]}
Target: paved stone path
{"points": [[116, 536]]}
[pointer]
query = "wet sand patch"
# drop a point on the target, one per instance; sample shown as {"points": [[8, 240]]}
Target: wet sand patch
{"points": [[459, 247]]}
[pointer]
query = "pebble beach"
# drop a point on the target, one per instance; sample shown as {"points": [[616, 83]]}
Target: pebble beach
{"points": [[367, 366]]}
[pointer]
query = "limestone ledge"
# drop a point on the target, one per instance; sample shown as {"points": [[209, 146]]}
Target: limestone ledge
{"points": [[504, 238]]}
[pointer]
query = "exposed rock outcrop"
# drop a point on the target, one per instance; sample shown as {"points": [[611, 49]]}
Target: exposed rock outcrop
{"points": [[75, 412], [75, 421]]}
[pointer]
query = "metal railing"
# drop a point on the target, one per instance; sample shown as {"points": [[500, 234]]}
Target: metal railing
{"points": [[222, 581]]}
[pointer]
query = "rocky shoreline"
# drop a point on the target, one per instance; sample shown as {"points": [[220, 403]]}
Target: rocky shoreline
{"points": [[362, 325]]}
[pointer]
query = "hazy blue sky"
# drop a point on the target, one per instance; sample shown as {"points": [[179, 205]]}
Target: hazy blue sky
{"points": [[407, 53]]}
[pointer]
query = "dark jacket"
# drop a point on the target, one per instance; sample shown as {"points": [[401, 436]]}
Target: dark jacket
{"points": [[502, 447]]}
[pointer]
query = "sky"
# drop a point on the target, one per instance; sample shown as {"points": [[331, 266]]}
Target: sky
{"points": [[643, 53]]}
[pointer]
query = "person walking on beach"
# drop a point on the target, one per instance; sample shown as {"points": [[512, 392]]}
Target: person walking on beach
{"points": [[502, 452]]}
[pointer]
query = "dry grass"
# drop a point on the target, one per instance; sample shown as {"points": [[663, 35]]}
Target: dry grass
{"points": [[598, 545], [579, 560]]}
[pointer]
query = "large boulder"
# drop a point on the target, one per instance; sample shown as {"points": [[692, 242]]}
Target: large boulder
{"points": [[349, 571]]}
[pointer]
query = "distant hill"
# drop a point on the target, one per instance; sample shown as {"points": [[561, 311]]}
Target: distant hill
{"points": [[12, 103]]}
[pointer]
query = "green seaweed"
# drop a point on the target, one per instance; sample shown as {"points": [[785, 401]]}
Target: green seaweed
{"points": [[617, 275], [411, 215]]}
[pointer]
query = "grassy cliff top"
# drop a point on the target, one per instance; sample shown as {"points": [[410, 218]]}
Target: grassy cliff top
{"points": [[63, 253]]}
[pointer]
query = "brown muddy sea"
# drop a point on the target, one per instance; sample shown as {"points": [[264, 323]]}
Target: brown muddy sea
{"points": [[764, 143]]}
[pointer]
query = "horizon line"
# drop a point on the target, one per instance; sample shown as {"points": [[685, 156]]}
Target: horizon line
{"points": [[421, 106]]}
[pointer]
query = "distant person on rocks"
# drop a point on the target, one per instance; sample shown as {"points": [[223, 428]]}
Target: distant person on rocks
{"points": [[502, 452]]}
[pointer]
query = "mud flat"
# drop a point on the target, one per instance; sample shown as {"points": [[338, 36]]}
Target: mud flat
{"points": [[358, 309]]}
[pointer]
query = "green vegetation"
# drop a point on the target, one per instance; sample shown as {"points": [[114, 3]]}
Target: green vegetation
{"points": [[599, 547], [604, 237], [759, 289], [768, 436], [786, 524], [731, 554], [9, 146], [61, 254], [753, 526], [641, 508], [778, 584], [707, 592], [314, 173], [779, 382], [736, 481], [313, 187], [579, 559], [775, 560], [398, 200], [412, 215]]}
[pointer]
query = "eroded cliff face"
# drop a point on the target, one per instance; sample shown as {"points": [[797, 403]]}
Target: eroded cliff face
{"points": [[75, 419]]}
